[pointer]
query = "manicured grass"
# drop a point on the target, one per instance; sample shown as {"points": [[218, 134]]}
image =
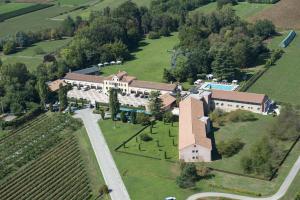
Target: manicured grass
{"points": [[149, 61], [32, 21], [9, 7], [29, 57], [243, 9], [281, 82], [91, 164], [160, 133], [73, 2], [144, 175]]}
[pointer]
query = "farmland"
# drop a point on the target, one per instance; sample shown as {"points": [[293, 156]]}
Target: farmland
{"points": [[149, 60], [281, 82], [31, 57], [8, 7], [38, 20], [243, 9], [284, 14], [57, 174], [29, 142]]}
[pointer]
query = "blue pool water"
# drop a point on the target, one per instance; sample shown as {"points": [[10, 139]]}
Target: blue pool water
{"points": [[216, 86]]}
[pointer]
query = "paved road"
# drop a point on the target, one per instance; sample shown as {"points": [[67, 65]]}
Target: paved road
{"points": [[280, 193], [105, 160]]}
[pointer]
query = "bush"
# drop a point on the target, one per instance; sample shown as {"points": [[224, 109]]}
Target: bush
{"points": [[143, 119], [240, 116], [188, 176], [145, 137], [9, 47], [103, 190], [230, 148], [153, 35]]}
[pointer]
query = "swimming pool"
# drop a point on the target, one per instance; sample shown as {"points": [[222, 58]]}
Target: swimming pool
{"points": [[218, 86]]}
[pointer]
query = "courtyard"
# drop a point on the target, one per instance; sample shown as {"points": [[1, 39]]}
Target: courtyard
{"points": [[94, 95]]}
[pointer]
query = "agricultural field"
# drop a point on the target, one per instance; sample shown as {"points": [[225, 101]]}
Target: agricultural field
{"points": [[163, 143], [284, 14], [29, 142], [59, 173], [33, 56], [33, 21], [52, 140], [100, 5], [160, 175], [9, 7], [244, 9], [281, 82], [149, 60]]}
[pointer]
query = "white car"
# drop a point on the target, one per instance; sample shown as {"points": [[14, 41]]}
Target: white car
{"points": [[170, 198]]}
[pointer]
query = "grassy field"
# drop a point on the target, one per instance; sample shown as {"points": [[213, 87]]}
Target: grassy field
{"points": [[144, 175], [73, 2], [99, 6], [29, 56], [149, 61], [247, 132], [160, 133], [32, 21], [281, 82], [8, 7], [243, 9]]}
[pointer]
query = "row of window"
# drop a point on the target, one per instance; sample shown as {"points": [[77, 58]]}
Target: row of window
{"points": [[237, 106], [194, 151]]}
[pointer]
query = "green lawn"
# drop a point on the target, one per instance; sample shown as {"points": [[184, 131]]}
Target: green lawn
{"points": [[32, 21], [144, 175], [160, 133], [249, 135], [149, 61], [281, 82], [29, 57], [243, 9], [8, 7], [73, 2], [91, 164]]}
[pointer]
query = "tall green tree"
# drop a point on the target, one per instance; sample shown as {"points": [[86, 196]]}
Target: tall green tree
{"points": [[114, 105], [62, 97], [42, 91], [155, 104]]}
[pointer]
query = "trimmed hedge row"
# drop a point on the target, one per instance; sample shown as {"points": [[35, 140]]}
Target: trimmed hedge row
{"points": [[21, 120], [253, 79], [23, 11]]}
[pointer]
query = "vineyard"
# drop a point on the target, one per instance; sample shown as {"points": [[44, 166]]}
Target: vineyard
{"points": [[58, 174], [32, 140]]}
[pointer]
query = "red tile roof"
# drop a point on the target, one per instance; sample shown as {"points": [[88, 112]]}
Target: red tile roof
{"points": [[239, 96], [153, 85], [84, 77]]}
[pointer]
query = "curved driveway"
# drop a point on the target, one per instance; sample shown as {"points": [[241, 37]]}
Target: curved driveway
{"points": [[105, 160], [279, 194]]}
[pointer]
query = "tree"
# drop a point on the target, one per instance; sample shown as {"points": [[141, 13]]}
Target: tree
{"points": [[133, 117], [103, 190], [229, 148], [264, 28], [142, 118], [42, 91], [114, 105], [9, 47], [123, 117], [168, 116], [155, 104], [188, 176], [62, 97]]}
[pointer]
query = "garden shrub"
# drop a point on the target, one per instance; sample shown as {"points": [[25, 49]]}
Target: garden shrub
{"points": [[240, 116], [143, 119], [188, 176], [230, 148], [153, 35], [145, 137]]}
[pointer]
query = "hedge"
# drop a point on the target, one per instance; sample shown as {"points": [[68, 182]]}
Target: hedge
{"points": [[253, 79], [23, 11], [21, 120]]}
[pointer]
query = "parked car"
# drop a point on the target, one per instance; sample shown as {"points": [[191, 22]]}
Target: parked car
{"points": [[170, 198]]}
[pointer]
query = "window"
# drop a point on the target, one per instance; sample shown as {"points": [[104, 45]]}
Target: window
{"points": [[258, 108], [193, 151], [194, 145], [237, 106], [242, 106], [217, 103], [193, 157], [196, 151], [222, 104]]}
